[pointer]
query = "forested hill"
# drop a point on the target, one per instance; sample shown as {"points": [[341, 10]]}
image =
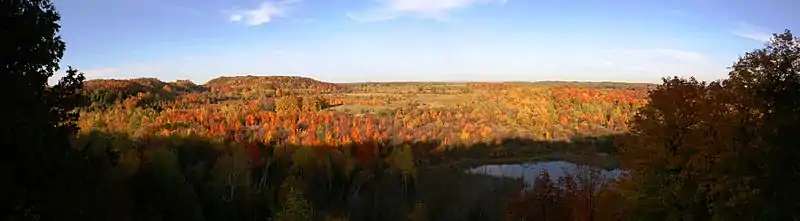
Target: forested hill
{"points": [[249, 83], [109, 91], [154, 92], [123, 88], [236, 82]]}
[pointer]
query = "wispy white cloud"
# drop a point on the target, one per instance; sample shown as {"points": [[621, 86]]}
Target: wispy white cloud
{"points": [[373, 15], [272, 61], [752, 32], [661, 53], [656, 63], [428, 9], [263, 13]]}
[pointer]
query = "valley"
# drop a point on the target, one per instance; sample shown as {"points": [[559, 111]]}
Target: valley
{"points": [[361, 138]]}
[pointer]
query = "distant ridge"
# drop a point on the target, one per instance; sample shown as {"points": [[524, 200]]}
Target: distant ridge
{"points": [[122, 88], [272, 82]]}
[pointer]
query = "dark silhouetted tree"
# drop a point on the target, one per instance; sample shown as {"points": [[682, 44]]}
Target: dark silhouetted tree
{"points": [[36, 119], [726, 150]]}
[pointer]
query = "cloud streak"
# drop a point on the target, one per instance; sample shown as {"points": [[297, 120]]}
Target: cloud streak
{"points": [[263, 13], [658, 62], [661, 53], [752, 32], [270, 61], [426, 9]]}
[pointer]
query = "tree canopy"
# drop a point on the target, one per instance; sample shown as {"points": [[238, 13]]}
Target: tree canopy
{"points": [[37, 118], [724, 150]]}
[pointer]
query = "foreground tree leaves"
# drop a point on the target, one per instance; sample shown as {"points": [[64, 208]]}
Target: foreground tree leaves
{"points": [[43, 177], [725, 150]]}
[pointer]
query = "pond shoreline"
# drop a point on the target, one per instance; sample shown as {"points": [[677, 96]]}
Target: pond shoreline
{"points": [[529, 171], [600, 160]]}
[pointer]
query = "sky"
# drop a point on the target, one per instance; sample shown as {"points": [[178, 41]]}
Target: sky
{"points": [[417, 40]]}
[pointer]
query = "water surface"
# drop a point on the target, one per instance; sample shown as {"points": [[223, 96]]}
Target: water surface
{"points": [[529, 171]]}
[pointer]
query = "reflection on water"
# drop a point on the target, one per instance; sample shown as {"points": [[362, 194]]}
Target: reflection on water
{"points": [[529, 171]]}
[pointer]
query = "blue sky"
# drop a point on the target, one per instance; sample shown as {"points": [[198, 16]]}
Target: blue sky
{"points": [[417, 40]]}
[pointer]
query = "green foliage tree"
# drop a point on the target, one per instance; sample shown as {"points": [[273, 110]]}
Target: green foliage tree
{"points": [[231, 173], [295, 207], [161, 191], [304, 161], [402, 160], [37, 119]]}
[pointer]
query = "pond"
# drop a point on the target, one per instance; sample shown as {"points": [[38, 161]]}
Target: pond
{"points": [[529, 171], [481, 193]]}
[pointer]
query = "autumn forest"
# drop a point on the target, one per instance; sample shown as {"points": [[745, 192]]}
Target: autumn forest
{"points": [[297, 148]]}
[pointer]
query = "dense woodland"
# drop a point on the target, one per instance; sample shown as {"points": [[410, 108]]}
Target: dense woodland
{"points": [[296, 148], [253, 139]]}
